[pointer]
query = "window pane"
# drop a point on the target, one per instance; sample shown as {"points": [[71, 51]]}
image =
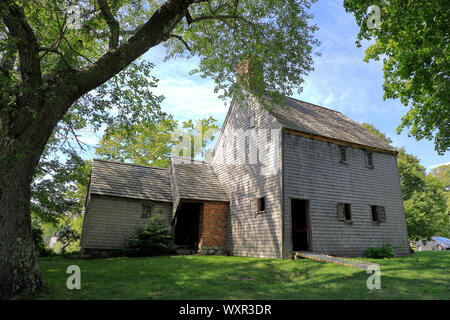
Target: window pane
{"points": [[375, 216], [348, 212]]}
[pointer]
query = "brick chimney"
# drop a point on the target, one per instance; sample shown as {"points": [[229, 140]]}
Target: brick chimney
{"points": [[250, 71]]}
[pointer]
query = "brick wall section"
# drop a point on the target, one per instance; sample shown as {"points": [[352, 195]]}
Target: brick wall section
{"points": [[213, 225]]}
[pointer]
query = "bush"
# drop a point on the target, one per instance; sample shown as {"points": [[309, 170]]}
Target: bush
{"points": [[154, 239], [385, 251], [38, 239]]}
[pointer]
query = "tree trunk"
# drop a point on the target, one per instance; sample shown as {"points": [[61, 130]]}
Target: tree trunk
{"points": [[19, 268]]}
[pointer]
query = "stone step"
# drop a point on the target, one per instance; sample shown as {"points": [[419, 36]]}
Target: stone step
{"points": [[319, 257]]}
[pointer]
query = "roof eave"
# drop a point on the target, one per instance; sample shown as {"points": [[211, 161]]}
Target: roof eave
{"points": [[338, 141]]}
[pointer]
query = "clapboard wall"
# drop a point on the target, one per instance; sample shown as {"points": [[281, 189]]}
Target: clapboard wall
{"points": [[312, 171], [109, 221], [249, 233]]}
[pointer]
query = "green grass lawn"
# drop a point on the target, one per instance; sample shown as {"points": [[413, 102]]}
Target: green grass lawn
{"points": [[424, 275]]}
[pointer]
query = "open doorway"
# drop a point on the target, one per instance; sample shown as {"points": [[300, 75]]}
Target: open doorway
{"points": [[187, 225], [300, 225]]}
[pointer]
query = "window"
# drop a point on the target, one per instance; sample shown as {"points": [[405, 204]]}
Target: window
{"points": [[252, 121], [378, 213], [343, 154], [369, 159], [375, 215], [146, 211], [261, 205], [258, 205], [348, 211], [344, 212]]}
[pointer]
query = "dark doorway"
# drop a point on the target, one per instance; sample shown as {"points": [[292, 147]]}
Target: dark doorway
{"points": [[300, 224], [187, 225]]}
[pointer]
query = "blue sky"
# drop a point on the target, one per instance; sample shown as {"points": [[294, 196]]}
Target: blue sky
{"points": [[340, 81]]}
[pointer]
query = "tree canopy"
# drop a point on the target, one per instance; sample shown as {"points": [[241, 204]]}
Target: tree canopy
{"points": [[153, 143], [413, 42]]}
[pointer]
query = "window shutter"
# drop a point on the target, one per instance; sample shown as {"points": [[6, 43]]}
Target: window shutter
{"points": [[146, 211], [340, 212], [253, 204], [382, 213]]}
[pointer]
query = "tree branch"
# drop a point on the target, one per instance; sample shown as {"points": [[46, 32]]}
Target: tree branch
{"points": [[153, 32], [221, 17], [27, 46], [54, 50], [113, 24], [182, 40]]}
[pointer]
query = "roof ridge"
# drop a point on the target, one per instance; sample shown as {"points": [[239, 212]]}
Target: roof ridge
{"points": [[190, 160], [313, 104], [129, 164]]}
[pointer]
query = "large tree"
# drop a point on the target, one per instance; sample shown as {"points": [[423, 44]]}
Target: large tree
{"points": [[50, 57], [412, 39]]}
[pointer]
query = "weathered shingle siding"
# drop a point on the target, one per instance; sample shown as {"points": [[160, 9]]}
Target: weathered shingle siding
{"points": [[312, 171], [250, 234], [109, 221]]}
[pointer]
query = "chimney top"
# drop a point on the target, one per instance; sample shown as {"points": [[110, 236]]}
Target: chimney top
{"points": [[249, 72]]}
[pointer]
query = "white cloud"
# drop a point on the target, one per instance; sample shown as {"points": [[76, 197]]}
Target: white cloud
{"points": [[438, 165], [191, 99]]}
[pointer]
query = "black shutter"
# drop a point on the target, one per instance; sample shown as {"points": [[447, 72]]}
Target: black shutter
{"points": [[381, 213], [340, 212]]}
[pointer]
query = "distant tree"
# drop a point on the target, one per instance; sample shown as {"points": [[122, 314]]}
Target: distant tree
{"points": [[147, 143], [152, 143], [196, 137], [413, 41], [426, 211], [376, 132], [442, 173]]}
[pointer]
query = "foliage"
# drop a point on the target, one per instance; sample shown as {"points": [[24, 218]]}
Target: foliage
{"points": [[153, 143], [423, 275], [382, 252], [59, 188], [153, 239], [376, 132], [69, 235], [413, 43], [38, 239], [443, 174], [193, 139]]}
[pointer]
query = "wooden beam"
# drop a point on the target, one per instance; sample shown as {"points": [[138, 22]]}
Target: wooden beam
{"points": [[337, 141]]}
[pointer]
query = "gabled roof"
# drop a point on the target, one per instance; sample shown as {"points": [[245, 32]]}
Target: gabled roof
{"points": [[196, 181], [319, 121], [127, 180]]}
